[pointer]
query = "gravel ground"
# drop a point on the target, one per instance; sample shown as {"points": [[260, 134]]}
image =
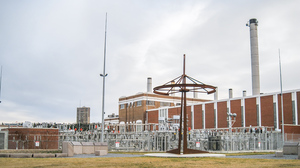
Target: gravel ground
{"points": [[270, 156]]}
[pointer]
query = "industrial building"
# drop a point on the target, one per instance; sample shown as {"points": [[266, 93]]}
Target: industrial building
{"points": [[134, 108], [83, 115], [257, 110], [260, 110]]}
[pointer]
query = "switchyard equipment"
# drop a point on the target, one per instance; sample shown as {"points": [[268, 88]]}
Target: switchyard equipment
{"points": [[220, 139]]}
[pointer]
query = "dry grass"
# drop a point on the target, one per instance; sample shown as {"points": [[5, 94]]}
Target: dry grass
{"points": [[145, 162]]}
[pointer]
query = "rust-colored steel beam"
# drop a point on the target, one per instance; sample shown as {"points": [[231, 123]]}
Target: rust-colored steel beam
{"points": [[177, 85]]}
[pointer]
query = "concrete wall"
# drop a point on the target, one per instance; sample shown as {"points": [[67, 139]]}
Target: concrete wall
{"points": [[3, 139]]}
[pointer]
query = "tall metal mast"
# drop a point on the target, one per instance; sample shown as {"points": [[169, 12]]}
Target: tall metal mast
{"points": [[0, 82], [103, 75], [281, 96]]}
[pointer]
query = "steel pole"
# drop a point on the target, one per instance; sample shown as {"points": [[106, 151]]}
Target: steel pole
{"points": [[103, 75], [281, 96]]}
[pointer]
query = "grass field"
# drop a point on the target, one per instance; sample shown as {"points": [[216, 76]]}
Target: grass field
{"points": [[133, 162]]}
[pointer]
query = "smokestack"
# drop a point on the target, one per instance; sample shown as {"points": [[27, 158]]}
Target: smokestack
{"points": [[149, 85], [216, 94], [195, 95], [244, 93], [230, 93], [253, 23], [172, 82]]}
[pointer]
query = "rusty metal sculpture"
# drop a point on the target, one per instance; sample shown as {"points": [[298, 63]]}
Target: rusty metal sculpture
{"points": [[180, 84]]}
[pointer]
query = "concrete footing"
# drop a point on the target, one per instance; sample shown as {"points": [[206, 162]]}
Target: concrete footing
{"points": [[290, 148], [4, 154], [43, 155], [279, 154], [100, 152], [33, 155], [61, 155], [21, 155]]}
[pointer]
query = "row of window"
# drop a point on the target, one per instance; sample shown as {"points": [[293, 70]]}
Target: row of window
{"points": [[138, 103], [148, 103]]}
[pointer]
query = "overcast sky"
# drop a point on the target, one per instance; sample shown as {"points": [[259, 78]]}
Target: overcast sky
{"points": [[51, 52]]}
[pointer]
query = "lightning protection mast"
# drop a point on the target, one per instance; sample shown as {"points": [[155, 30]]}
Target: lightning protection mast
{"points": [[103, 75], [0, 82]]}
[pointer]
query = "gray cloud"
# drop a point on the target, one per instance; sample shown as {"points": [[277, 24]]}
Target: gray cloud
{"points": [[52, 52]]}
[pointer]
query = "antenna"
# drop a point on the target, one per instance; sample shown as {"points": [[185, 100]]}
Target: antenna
{"points": [[103, 75]]}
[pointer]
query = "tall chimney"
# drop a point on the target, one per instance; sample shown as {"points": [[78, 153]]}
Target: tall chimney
{"points": [[244, 93], [173, 82], [195, 95], [149, 84], [230, 93], [253, 23]]}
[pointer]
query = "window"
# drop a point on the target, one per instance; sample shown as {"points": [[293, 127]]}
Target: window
{"points": [[150, 103], [163, 113], [139, 103], [162, 104], [122, 106]]}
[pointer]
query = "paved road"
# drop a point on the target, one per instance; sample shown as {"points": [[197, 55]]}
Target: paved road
{"points": [[271, 156]]}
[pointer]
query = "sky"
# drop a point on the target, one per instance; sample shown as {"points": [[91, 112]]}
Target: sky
{"points": [[51, 52]]}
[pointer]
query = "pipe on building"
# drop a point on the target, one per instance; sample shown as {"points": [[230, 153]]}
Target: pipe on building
{"points": [[230, 93], [253, 23], [173, 82], [149, 84], [216, 94], [195, 95], [244, 93]]}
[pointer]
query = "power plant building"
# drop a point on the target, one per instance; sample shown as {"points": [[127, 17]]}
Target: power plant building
{"points": [[257, 110], [134, 108]]}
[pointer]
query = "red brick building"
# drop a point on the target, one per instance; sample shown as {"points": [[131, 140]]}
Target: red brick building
{"points": [[32, 138], [261, 110], [133, 108]]}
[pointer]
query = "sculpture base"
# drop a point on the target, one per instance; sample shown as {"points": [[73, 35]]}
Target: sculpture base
{"points": [[186, 151]]}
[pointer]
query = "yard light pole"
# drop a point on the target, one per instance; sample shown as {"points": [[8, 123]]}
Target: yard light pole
{"points": [[103, 75], [281, 96]]}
